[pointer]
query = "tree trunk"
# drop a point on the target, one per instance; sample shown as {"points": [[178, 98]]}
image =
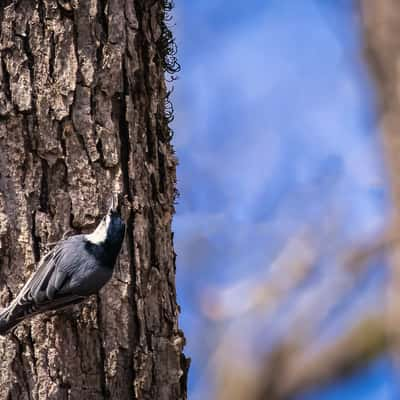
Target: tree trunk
{"points": [[83, 113]]}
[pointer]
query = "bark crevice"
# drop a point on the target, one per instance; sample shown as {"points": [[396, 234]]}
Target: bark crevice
{"points": [[103, 382], [24, 374], [35, 239], [44, 187]]}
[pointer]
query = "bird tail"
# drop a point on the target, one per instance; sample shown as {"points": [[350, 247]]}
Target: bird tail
{"points": [[16, 313], [9, 318]]}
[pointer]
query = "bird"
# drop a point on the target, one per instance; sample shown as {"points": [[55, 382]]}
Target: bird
{"points": [[71, 271]]}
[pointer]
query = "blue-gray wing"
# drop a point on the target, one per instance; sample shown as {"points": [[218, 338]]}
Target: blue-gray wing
{"points": [[48, 286]]}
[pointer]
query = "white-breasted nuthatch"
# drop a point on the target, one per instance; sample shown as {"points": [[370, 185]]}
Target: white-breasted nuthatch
{"points": [[72, 270]]}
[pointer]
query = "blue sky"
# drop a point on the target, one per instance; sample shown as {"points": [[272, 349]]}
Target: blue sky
{"points": [[275, 130]]}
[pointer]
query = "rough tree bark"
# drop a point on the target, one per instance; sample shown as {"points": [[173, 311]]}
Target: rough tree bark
{"points": [[83, 112]]}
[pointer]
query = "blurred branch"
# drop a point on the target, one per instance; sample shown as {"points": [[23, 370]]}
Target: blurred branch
{"points": [[291, 369], [357, 257], [293, 366], [353, 350], [289, 269]]}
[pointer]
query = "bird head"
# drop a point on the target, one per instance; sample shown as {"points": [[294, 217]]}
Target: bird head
{"points": [[111, 229]]}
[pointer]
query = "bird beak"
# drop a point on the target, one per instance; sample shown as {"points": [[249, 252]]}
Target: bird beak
{"points": [[114, 203]]}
